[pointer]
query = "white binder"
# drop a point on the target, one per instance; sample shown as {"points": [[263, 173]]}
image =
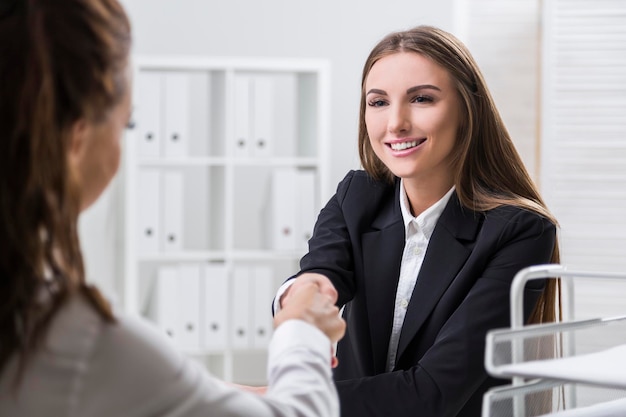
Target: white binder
{"points": [[188, 300], [177, 97], [148, 206], [215, 301], [282, 212], [172, 219], [240, 143], [263, 109], [306, 209], [262, 296], [148, 114], [241, 308], [163, 309]]}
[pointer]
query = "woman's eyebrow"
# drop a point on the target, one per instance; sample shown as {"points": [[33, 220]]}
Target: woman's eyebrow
{"points": [[408, 91], [422, 87], [377, 91]]}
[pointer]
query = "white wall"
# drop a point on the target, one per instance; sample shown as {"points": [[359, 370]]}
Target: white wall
{"points": [[341, 31]]}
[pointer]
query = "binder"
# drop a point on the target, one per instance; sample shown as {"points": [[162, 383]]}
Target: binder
{"points": [[240, 308], [240, 143], [148, 206], [262, 296], [282, 212], [215, 301], [306, 210], [177, 97], [188, 300], [263, 114], [148, 114], [172, 219], [287, 121], [163, 309]]}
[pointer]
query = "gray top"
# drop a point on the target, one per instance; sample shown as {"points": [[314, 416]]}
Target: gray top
{"points": [[89, 368]]}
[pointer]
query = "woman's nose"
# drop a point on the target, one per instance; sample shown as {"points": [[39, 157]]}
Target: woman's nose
{"points": [[399, 119]]}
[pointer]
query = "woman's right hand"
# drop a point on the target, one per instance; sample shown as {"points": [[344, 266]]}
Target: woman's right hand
{"points": [[324, 284], [307, 302]]}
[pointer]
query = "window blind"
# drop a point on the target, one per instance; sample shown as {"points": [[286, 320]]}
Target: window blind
{"points": [[583, 166]]}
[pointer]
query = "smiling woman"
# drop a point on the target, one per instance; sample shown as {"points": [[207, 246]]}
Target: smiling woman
{"points": [[422, 245], [412, 121]]}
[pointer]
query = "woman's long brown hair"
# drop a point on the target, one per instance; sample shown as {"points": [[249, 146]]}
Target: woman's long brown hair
{"points": [[488, 169], [61, 61]]}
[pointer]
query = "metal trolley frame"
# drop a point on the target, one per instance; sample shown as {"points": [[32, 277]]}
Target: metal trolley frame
{"points": [[506, 347]]}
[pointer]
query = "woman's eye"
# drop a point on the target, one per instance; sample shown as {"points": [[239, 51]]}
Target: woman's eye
{"points": [[376, 103], [422, 99]]}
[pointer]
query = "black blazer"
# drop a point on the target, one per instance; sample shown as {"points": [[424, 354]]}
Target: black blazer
{"points": [[462, 291]]}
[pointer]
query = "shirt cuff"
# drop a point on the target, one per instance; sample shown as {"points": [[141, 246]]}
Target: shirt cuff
{"points": [[276, 306], [295, 333]]}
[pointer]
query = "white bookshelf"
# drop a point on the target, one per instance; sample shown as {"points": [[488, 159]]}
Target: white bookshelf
{"points": [[211, 136]]}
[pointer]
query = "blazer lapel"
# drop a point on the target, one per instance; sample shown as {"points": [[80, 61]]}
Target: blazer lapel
{"points": [[382, 255], [444, 258]]}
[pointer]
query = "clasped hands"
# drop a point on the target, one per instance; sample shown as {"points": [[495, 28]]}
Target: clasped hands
{"points": [[310, 298]]}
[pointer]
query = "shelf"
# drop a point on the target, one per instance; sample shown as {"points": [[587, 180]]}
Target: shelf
{"points": [[221, 256], [278, 162], [187, 256], [219, 352], [603, 368], [194, 63], [224, 161], [182, 162], [506, 349], [605, 409], [224, 174], [555, 399], [265, 255]]}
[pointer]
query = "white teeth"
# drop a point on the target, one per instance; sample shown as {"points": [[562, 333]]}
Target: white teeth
{"points": [[403, 145]]}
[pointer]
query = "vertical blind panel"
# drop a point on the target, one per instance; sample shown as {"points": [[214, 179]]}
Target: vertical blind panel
{"points": [[503, 37], [583, 173]]}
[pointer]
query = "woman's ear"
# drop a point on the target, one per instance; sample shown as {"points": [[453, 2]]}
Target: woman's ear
{"points": [[78, 135]]}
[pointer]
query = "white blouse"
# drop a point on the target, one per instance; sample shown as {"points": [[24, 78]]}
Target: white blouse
{"points": [[417, 233]]}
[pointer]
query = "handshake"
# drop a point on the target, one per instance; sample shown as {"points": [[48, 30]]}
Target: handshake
{"points": [[312, 298]]}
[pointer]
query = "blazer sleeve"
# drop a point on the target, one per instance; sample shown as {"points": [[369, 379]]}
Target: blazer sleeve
{"points": [[330, 250], [451, 370]]}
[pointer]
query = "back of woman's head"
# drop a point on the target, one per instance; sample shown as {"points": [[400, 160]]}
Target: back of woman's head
{"points": [[61, 61]]}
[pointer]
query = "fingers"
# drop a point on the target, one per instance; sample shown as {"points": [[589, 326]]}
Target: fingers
{"points": [[326, 287], [306, 302], [303, 293], [334, 326], [322, 282], [300, 299]]}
